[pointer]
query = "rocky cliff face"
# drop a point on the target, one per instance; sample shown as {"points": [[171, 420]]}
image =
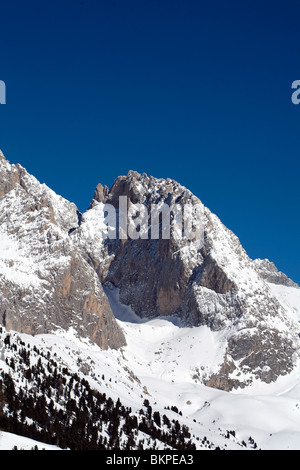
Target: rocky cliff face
{"points": [[54, 262], [268, 271], [210, 281], [45, 283]]}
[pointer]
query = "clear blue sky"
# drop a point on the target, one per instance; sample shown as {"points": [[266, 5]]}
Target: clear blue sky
{"points": [[196, 91]]}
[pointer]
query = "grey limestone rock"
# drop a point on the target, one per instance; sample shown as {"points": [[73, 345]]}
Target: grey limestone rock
{"points": [[45, 282]]}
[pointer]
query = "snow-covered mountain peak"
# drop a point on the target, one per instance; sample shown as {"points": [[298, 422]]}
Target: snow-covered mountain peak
{"points": [[45, 283], [96, 328], [54, 265], [213, 283]]}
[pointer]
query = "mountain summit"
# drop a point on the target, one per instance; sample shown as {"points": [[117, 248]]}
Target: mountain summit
{"points": [[58, 272], [212, 282]]}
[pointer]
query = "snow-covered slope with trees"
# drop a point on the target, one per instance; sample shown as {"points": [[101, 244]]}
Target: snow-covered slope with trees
{"points": [[156, 377], [139, 344]]}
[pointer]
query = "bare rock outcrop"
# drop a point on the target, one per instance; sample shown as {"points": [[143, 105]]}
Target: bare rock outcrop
{"points": [[268, 271], [209, 281], [46, 285]]}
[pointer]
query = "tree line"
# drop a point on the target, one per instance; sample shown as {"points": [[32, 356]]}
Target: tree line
{"points": [[44, 401]]}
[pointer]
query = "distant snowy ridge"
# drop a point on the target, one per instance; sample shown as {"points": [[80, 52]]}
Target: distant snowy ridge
{"points": [[270, 273]]}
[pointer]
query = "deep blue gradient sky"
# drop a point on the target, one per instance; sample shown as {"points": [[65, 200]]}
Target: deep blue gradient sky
{"points": [[196, 91]]}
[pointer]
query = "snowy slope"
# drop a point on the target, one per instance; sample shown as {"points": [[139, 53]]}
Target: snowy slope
{"points": [[289, 297], [165, 363], [270, 413], [9, 441]]}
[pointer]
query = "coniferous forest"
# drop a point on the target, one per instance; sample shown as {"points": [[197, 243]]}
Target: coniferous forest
{"points": [[52, 405]]}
